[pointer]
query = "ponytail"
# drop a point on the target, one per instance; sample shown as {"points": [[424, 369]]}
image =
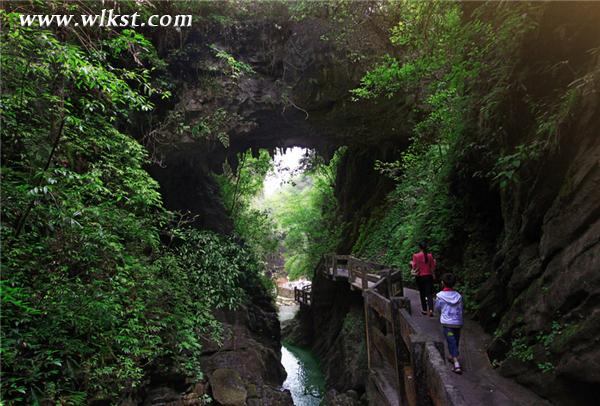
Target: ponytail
{"points": [[423, 247]]}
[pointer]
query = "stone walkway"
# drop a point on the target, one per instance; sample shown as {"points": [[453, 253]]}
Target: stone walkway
{"points": [[480, 384]]}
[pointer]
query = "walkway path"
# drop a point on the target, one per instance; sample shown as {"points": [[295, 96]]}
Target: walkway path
{"points": [[406, 349], [480, 384]]}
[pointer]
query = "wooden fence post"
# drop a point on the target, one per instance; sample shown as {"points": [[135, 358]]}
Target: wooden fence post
{"points": [[367, 330], [401, 281], [388, 283], [398, 365], [334, 268]]}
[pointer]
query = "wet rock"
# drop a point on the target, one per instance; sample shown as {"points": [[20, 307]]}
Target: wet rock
{"points": [[251, 347], [228, 388], [295, 332], [545, 287], [338, 316], [258, 364], [349, 398], [271, 396], [161, 396], [246, 364], [186, 185], [171, 389], [252, 392], [352, 394]]}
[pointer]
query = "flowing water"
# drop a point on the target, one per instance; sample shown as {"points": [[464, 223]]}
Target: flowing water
{"points": [[304, 380]]}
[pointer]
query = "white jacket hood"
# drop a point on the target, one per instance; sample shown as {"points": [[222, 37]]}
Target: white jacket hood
{"points": [[449, 296], [449, 304]]}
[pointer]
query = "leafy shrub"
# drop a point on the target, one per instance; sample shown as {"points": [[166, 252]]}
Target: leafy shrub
{"points": [[305, 212], [237, 68], [92, 298], [456, 70], [239, 189]]}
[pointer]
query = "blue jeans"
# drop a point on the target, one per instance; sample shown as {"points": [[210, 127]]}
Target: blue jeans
{"points": [[452, 335]]}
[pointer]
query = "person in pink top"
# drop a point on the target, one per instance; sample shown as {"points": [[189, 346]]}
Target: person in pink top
{"points": [[423, 266]]}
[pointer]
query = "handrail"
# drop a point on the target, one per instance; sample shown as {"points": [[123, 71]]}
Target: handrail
{"points": [[380, 285], [361, 273], [303, 295], [392, 339]]}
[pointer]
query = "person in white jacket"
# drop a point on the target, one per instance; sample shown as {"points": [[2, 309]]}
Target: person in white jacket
{"points": [[449, 304]]}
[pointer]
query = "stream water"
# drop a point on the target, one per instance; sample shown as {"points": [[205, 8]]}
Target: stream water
{"points": [[304, 377]]}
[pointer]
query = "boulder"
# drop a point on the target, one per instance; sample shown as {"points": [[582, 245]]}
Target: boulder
{"points": [[227, 387], [349, 398]]}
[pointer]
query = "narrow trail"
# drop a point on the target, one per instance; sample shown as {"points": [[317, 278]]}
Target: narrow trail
{"points": [[480, 383], [406, 350]]}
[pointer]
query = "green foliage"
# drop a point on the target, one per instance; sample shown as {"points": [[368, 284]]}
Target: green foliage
{"points": [[511, 165], [302, 214], [547, 340], [358, 29], [92, 300], [353, 323], [546, 367], [246, 181], [455, 71], [521, 350], [215, 126], [385, 79], [507, 167], [421, 208], [94, 334], [239, 190], [305, 212], [300, 217], [236, 68], [431, 34]]}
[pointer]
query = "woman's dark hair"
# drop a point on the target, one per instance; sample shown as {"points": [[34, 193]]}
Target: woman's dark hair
{"points": [[423, 247], [449, 279]]}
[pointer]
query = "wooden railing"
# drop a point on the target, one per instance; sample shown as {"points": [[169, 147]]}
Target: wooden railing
{"points": [[382, 289], [362, 274], [406, 365], [303, 295]]}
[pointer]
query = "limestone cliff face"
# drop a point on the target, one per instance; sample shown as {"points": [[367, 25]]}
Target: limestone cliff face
{"points": [[297, 95], [338, 319], [251, 348], [245, 368], [544, 289], [540, 237], [333, 327], [545, 284], [359, 189], [187, 185]]}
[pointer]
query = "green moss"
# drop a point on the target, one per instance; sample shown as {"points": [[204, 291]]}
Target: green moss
{"points": [[353, 324], [521, 350], [574, 332]]}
